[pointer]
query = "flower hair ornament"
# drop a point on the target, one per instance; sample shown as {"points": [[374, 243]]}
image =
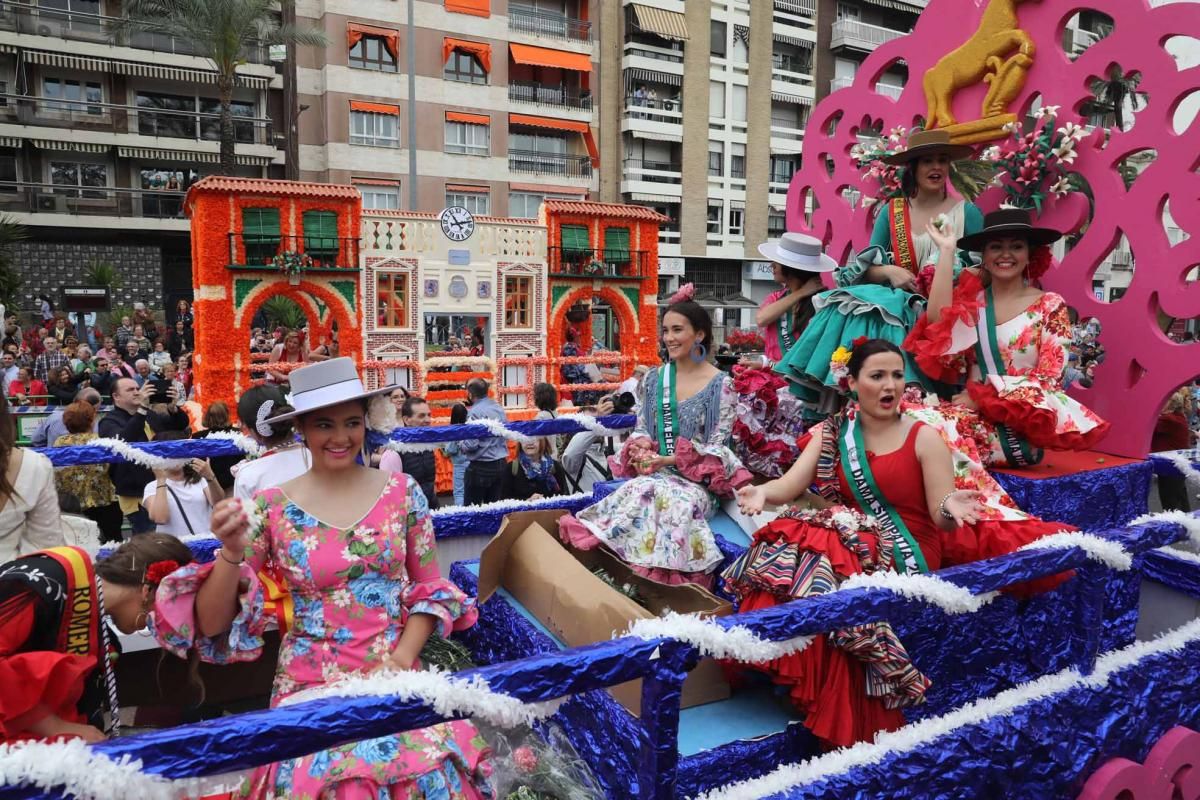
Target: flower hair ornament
{"points": [[686, 293], [839, 364], [159, 570], [261, 416]]}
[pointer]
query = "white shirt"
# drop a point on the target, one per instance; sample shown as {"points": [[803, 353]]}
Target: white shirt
{"points": [[30, 520], [273, 470], [195, 504]]}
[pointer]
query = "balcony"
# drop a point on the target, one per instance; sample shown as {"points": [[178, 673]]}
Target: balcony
{"points": [[592, 264], [543, 94], [806, 8], [861, 35], [84, 115], [544, 163], [325, 253], [91, 201], [638, 169], [85, 27], [654, 109], [543, 23], [791, 70]]}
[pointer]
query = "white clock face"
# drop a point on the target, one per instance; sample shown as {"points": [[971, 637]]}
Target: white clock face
{"points": [[457, 223]]}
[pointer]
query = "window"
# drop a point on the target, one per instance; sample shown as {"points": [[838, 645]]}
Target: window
{"points": [[616, 245], [391, 296], [576, 246], [465, 67], [260, 234], [375, 128], [738, 113], [782, 168], [380, 198], [741, 45], [717, 32], [321, 236], [737, 161], [524, 205], [776, 224], [468, 138], [373, 52], [786, 115], [210, 127], [737, 220], [716, 159], [179, 118], [518, 294], [716, 99], [475, 202], [848, 11], [71, 173], [8, 171], [172, 182], [538, 142], [72, 90], [714, 218]]}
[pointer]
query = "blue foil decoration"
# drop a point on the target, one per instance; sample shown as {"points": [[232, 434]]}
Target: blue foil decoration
{"points": [[1096, 500]]}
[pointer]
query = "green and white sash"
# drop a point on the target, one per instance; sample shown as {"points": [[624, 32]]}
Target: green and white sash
{"points": [[990, 360], [668, 420], [786, 339], [907, 556]]}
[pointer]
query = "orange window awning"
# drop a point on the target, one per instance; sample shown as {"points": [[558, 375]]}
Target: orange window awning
{"points": [[478, 8], [561, 125], [459, 187], [374, 108], [470, 119], [545, 57], [480, 50], [355, 32]]}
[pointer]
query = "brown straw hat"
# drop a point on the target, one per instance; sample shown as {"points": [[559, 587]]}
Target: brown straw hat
{"points": [[923, 143]]}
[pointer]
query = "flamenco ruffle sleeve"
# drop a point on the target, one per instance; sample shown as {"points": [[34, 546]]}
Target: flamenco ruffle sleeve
{"points": [[174, 621], [34, 685], [940, 348]]}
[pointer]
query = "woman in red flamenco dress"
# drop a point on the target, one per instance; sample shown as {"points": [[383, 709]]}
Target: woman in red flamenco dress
{"points": [[56, 678], [889, 486]]}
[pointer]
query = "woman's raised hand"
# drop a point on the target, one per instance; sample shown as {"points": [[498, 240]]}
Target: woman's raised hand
{"points": [[751, 499], [231, 526], [942, 237]]}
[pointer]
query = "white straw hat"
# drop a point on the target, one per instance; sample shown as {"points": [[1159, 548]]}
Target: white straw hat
{"points": [[798, 251], [325, 384]]}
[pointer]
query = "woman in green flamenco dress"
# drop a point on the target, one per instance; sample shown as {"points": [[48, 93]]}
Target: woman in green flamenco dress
{"points": [[881, 292]]}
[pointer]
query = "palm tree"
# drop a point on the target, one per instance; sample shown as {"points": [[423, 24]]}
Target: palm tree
{"points": [[223, 31], [1114, 93], [11, 232]]}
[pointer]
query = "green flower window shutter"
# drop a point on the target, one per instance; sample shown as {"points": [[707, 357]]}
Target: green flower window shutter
{"points": [[260, 234], [575, 239], [321, 236], [616, 245]]}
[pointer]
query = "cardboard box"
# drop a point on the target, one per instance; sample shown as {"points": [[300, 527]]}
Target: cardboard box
{"points": [[556, 585]]}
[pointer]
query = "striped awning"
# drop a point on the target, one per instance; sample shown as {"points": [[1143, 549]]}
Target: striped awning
{"points": [[662, 199], [67, 61], [794, 99], [186, 156], [660, 22], [10, 141], [8, 48], [793, 40], [656, 136], [636, 75], [797, 6], [900, 5], [68, 145]]}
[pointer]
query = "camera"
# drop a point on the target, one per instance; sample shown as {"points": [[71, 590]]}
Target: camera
{"points": [[623, 402]]}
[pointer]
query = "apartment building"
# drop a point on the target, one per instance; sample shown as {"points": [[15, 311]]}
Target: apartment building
{"points": [[504, 102], [99, 140]]}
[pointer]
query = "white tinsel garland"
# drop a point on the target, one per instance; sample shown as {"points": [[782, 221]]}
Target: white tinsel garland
{"points": [[1179, 555], [737, 643], [151, 461], [1181, 463], [919, 734], [499, 430], [83, 772], [1104, 551], [511, 505], [928, 588], [445, 694]]}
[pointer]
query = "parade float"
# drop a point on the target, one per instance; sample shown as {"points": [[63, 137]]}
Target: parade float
{"points": [[1087, 691]]}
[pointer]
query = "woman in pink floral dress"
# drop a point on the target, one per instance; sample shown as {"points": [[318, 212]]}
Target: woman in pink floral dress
{"points": [[355, 547], [1009, 339]]}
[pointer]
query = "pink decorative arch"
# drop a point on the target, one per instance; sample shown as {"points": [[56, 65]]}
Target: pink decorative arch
{"points": [[1142, 366]]}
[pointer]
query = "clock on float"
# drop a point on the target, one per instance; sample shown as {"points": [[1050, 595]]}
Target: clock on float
{"points": [[457, 223]]}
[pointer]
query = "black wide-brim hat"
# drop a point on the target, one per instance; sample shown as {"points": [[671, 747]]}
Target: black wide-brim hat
{"points": [[1005, 223]]}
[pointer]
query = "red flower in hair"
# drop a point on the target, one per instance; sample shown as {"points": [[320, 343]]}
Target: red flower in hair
{"points": [[859, 341], [1039, 263], [159, 570]]}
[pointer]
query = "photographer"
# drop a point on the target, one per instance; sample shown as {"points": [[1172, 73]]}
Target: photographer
{"points": [[179, 501], [584, 461]]}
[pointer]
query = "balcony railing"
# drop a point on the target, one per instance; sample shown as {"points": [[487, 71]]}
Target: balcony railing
{"points": [[656, 109], [599, 263], [89, 201], [861, 35], [87, 115], [84, 27], [543, 23], [646, 46], [544, 94], [805, 7], [639, 169], [840, 83], [791, 70], [258, 251], [550, 163]]}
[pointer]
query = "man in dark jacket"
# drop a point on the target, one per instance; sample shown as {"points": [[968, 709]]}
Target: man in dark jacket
{"points": [[421, 466], [128, 421]]}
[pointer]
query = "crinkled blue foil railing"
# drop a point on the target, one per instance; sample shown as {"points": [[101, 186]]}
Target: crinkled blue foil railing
{"points": [[1071, 617]]}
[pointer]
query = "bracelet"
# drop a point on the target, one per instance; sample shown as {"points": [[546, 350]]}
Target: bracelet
{"points": [[221, 553], [161, 485], [942, 507]]}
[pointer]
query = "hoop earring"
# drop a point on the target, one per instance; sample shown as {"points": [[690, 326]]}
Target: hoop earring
{"points": [[139, 621], [701, 349]]}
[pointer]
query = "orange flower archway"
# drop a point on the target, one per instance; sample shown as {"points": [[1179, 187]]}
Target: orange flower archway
{"points": [[638, 338]]}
